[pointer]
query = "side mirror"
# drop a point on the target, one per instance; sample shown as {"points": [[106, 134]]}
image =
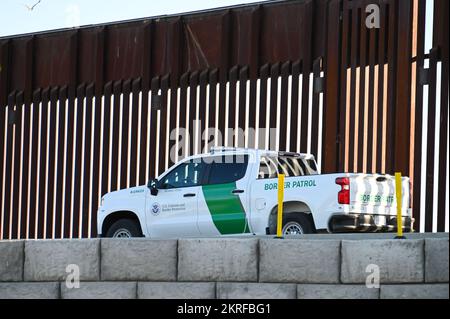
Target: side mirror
{"points": [[152, 186]]}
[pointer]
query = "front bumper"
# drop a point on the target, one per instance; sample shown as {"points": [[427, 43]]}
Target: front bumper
{"points": [[342, 223]]}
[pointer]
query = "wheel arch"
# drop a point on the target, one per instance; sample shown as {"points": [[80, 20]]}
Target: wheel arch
{"points": [[112, 217], [290, 207]]}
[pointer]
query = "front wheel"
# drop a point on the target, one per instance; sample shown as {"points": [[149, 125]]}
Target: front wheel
{"points": [[296, 224], [124, 228]]}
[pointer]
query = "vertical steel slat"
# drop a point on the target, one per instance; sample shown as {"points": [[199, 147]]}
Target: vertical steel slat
{"points": [[69, 163], [233, 74], [16, 165], [362, 90], [153, 124], [3, 129], [76, 169], [115, 156], [86, 191], [243, 76], [332, 135], [25, 164], [373, 46], [78, 136], [443, 141], [51, 161], [418, 118], [135, 89], [96, 169], [163, 137], [381, 60], [390, 112], [61, 164], [353, 59], [315, 110], [183, 115], [306, 70], [34, 169], [106, 139], [8, 168], [285, 72], [347, 37], [294, 106], [202, 111], [193, 82], [123, 157], [42, 174], [274, 74], [174, 116], [213, 77], [263, 106], [429, 180], [145, 109], [253, 106]]}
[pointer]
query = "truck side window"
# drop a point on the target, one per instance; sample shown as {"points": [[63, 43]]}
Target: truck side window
{"points": [[227, 169], [184, 175], [271, 166], [267, 168], [312, 166]]}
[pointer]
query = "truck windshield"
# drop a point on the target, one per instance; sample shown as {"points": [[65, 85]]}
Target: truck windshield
{"points": [[271, 166]]}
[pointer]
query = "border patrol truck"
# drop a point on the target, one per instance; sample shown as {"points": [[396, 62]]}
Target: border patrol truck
{"points": [[233, 191]]}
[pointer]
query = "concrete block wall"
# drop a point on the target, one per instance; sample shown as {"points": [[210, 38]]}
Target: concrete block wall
{"points": [[225, 268]]}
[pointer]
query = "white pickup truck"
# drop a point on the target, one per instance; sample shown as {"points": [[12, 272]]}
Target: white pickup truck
{"points": [[233, 191]]}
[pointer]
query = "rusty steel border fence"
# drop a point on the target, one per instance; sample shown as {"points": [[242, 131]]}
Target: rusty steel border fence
{"points": [[91, 110]]}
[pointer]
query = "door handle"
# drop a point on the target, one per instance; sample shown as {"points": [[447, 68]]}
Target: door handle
{"points": [[237, 191], [189, 195]]}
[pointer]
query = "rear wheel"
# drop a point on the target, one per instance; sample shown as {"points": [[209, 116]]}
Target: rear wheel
{"points": [[296, 224], [124, 228]]}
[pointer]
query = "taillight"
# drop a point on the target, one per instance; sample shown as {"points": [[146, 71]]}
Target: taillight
{"points": [[344, 193]]}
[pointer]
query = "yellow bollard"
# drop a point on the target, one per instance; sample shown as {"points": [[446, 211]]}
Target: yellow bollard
{"points": [[280, 205], [398, 194]]}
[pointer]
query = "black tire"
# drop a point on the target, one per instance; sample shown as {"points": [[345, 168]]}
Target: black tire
{"points": [[301, 220], [123, 226]]}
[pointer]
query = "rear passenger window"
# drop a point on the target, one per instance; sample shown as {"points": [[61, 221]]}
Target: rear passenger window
{"points": [[227, 169], [271, 166]]}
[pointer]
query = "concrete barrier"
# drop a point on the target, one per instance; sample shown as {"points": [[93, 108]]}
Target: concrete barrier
{"points": [[47, 260], [436, 260], [425, 291], [176, 290], [11, 260], [139, 259], [399, 261], [237, 268], [228, 290], [222, 259], [100, 290], [29, 290], [314, 291], [299, 261]]}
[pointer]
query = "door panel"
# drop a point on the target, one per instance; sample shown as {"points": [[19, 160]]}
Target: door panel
{"points": [[222, 206], [173, 213], [226, 209]]}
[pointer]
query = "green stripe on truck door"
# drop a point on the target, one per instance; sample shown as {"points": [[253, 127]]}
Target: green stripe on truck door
{"points": [[225, 208]]}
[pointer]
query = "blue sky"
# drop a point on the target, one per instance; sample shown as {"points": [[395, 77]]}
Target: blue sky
{"points": [[16, 18]]}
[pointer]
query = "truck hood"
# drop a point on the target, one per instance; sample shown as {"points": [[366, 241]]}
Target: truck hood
{"points": [[131, 192]]}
